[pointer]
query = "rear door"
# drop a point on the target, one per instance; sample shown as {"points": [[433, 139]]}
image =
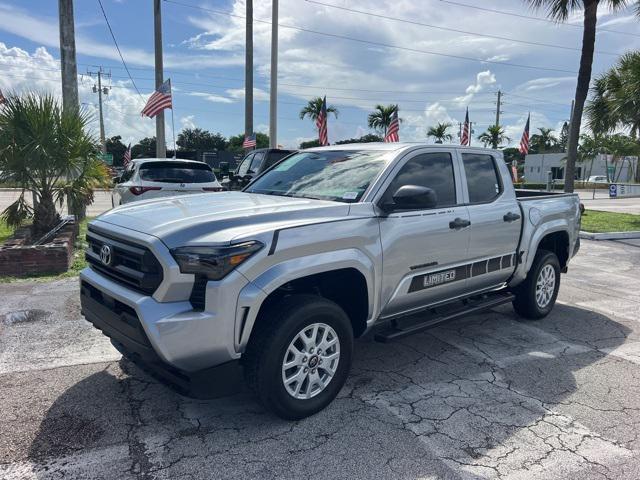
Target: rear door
{"points": [[495, 219], [424, 251]]}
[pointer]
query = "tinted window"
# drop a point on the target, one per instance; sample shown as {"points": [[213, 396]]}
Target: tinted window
{"points": [[483, 181], [244, 165], [274, 157], [255, 163], [339, 175], [432, 170], [176, 172]]}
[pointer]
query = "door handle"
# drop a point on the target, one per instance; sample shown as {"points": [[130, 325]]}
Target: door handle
{"points": [[511, 217], [459, 223]]}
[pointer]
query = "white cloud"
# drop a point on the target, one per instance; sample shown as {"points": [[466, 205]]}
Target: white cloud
{"points": [[210, 97], [238, 93], [22, 71], [188, 122]]}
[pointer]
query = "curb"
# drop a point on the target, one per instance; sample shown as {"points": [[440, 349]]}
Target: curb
{"points": [[609, 235]]}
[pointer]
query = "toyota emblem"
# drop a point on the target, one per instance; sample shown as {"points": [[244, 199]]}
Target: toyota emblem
{"points": [[105, 255]]}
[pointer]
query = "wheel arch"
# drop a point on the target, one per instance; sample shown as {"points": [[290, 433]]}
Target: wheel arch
{"points": [[325, 275]]}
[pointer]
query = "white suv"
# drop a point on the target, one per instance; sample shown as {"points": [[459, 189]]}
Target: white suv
{"points": [[158, 177]]}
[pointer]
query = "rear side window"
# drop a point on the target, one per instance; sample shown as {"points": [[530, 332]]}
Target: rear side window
{"points": [[483, 181], [176, 172], [432, 170], [255, 163], [274, 157]]}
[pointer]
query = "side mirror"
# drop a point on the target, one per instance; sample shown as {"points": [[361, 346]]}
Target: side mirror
{"points": [[412, 197], [115, 181]]}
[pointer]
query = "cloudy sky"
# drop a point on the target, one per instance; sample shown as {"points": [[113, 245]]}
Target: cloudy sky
{"points": [[434, 58]]}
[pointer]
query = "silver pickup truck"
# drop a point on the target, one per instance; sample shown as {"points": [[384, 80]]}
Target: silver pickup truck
{"points": [[328, 244]]}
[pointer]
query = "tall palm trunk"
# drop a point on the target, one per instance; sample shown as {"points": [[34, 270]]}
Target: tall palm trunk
{"points": [[582, 89]]}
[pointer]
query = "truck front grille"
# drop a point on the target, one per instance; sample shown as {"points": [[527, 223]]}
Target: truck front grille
{"points": [[129, 264]]}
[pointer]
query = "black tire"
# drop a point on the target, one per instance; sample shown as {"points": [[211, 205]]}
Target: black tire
{"points": [[269, 342], [526, 303]]}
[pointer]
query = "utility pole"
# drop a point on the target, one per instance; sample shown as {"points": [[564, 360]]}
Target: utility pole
{"points": [[69, 68], [248, 71], [100, 90], [498, 108], [161, 147], [273, 101]]}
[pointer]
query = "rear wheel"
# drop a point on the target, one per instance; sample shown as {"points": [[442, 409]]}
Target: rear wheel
{"points": [[536, 296], [299, 356]]}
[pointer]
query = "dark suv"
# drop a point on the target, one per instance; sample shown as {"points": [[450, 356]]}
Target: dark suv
{"points": [[253, 164]]}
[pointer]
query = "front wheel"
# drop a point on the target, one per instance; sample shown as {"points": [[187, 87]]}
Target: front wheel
{"points": [[299, 356], [536, 296]]}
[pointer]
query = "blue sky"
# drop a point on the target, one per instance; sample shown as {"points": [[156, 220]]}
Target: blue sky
{"points": [[204, 57]]}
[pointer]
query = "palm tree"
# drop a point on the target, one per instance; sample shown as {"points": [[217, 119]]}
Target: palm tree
{"points": [[47, 150], [440, 132], [616, 97], [544, 141], [494, 136], [560, 10], [313, 108], [380, 118]]}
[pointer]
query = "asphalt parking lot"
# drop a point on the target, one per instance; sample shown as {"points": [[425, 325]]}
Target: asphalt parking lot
{"points": [[488, 396]]}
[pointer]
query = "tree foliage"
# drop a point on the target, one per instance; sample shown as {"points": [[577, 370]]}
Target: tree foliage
{"points": [[494, 136], [116, 148], [368, 138], [313, 108], [615, 101], [49, 152], [199, 140], [235, 143], [440, 132], [145, 148], [380, 118]]}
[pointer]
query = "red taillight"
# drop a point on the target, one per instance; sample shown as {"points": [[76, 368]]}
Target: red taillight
{"points": [[141, 190], [212, 189]]}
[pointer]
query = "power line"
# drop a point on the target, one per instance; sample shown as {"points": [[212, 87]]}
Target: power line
{"points": [[455, 30], [531, 17], [115, 42], [380, 44]]}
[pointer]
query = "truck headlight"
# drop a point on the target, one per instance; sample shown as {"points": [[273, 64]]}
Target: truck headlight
{"points": [[214, 262]]}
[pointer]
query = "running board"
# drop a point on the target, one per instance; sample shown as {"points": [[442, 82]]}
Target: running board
{"points": [[435, 316]]}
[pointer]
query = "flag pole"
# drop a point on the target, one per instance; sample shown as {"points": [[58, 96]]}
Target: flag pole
{"points": [[173, 131]]}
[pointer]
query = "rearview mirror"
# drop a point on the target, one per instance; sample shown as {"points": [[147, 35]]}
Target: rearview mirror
{"points": [[413, 197]]}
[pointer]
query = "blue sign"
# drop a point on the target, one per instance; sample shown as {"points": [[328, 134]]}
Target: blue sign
{"points": [[613, 190]]}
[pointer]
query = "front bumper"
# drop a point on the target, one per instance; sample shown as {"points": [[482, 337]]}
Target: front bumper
{"points": [[168, 332]]}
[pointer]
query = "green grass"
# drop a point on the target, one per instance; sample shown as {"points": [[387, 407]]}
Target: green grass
{"points": [[78, 256], [596, 221]]}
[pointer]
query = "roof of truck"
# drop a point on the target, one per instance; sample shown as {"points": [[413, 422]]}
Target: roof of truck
{"points": [[390, 147]]}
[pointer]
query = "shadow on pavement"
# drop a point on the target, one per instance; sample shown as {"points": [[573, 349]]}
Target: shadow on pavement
{"points": [[480, 393]]}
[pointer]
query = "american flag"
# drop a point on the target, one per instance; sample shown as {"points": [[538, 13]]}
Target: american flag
{"points": [[393, 131], [524, 141], [126, 158], [321, 123], [3, 99], [249, 141], [465, 136], [158, 101]]}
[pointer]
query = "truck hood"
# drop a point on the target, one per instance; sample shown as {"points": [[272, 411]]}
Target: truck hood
{"points": [[219, 218]]}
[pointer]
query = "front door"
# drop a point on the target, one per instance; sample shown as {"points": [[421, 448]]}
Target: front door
{"points": [[424, 250]]}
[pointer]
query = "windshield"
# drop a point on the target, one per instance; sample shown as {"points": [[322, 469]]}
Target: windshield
{"points": [[176, 172], [337, 175]]}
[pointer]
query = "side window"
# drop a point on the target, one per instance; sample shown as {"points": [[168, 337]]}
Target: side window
{"points": [[483, 180], [126, 175], [432, 170], [244, 165], [255, 163]]}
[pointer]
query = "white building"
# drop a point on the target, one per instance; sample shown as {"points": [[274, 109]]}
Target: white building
{"points": [[537, 166]]}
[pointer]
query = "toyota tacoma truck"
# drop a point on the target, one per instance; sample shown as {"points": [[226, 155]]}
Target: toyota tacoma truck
{"points": [[277, 280]]}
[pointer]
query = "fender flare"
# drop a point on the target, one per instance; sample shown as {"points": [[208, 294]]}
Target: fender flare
{"points": [[253, 295]]}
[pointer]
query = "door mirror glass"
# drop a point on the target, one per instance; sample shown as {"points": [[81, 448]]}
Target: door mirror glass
{"points": [[413, 197]]}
